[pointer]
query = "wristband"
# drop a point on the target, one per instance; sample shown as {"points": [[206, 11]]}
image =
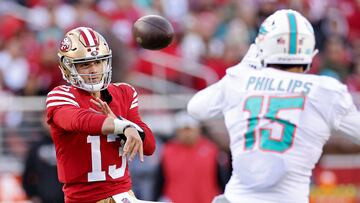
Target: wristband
{"points": [[128, 126], [131, 123], [119, 126]]}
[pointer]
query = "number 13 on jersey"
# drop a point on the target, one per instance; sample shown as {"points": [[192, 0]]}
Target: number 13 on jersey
{"points": [[97, 173], [254, 105]]}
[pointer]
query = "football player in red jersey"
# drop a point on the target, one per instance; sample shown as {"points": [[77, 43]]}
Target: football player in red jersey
{"points": [[95, 124]]}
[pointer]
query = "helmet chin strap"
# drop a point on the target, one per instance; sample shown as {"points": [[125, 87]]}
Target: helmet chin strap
{"points": [[94, 88], [89, 87]]}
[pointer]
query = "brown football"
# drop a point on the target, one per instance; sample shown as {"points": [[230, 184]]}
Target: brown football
{"points": [[153, 32]]}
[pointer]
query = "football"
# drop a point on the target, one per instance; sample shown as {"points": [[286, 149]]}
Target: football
{"points": [[153, 32]]}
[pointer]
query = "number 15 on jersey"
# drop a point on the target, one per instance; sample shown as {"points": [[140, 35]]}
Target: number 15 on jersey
{"points": [[264, 117]]}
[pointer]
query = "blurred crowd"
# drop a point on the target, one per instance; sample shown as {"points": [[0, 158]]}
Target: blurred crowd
{"points": [[215, 33]]}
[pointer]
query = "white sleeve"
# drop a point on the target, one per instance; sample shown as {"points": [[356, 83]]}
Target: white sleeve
{"points": [[207, 103], [344, 116], [342, 105], [349, 125]]}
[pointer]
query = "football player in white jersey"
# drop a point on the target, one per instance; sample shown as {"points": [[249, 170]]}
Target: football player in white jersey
{"points": [[278, 118]]}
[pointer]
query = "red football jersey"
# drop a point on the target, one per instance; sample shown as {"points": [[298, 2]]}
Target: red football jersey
{"points": [[89, 163]]}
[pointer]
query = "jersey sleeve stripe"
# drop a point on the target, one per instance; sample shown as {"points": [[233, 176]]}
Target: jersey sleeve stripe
{"points": [[57, 98], [59, 104], [134, 101], [61, 92], [133, 105], [64, 88], [135, 94]]}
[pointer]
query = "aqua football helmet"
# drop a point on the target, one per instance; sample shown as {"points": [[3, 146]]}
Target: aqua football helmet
{"points": [[285, 38]]}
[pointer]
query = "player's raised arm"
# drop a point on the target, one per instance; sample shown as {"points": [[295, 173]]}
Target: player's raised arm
{"points": [[86, 121], [207, 103], [349, 126], [345, 115], [71, 118]]}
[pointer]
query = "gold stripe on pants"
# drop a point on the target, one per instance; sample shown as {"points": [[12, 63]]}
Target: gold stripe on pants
{"points": [[107, 200], [111, 200]]}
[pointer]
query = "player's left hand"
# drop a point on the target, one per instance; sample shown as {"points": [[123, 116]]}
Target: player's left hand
{"points": [[103, 107], [133, 144]]}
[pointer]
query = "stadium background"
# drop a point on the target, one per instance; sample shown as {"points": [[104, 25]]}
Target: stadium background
{"points": [[211, 35]]}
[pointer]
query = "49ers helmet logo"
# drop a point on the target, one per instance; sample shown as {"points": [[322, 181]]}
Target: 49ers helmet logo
{"points": [[94, 53], [65, 44]]}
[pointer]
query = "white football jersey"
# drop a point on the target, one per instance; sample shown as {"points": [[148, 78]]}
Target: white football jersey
{"points": [[278, 123]]}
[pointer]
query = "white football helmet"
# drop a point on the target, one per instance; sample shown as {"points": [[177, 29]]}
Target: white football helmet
{"points": [[286, 37], [81, 45]]}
